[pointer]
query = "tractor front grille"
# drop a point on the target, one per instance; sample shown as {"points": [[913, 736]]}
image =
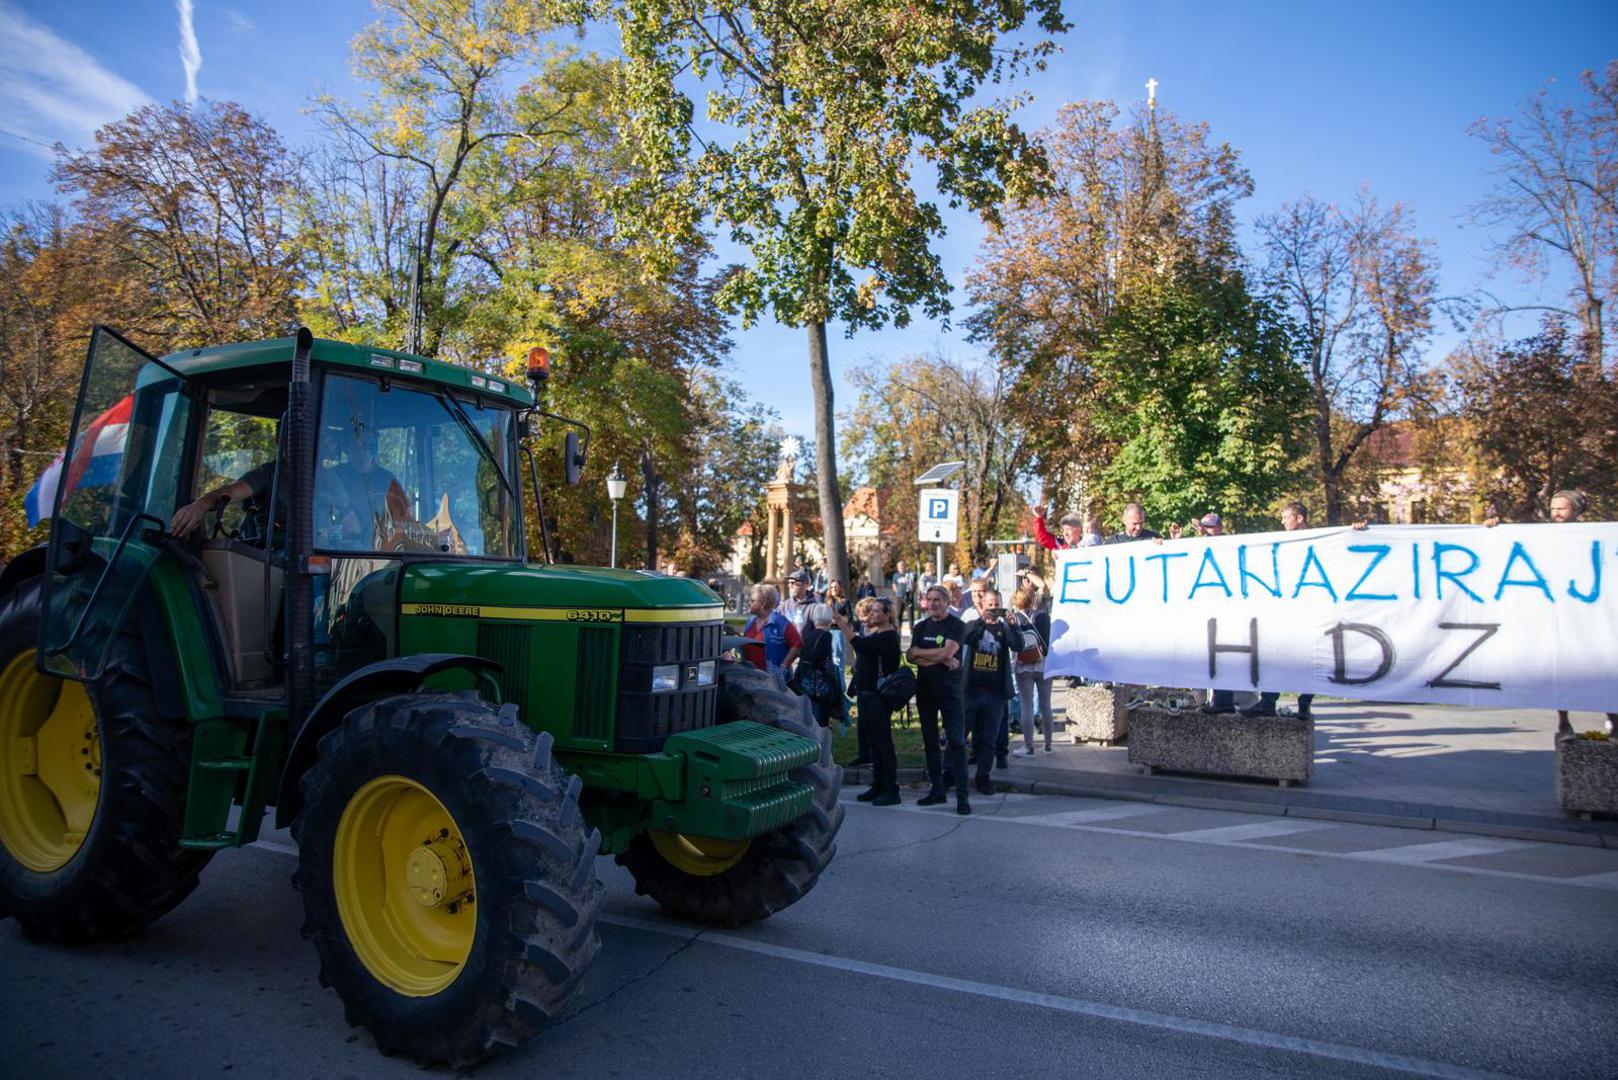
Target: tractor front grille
{"points": [[646, 719]]}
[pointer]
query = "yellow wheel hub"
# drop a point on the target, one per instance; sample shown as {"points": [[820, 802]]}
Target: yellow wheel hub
{"points": [[50, 766], [699, 856], [405, 887]]}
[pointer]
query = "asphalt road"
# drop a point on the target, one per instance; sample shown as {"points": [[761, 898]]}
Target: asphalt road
{"points": [[1042, 937]]}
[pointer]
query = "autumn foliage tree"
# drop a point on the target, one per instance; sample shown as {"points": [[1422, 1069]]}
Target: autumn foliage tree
{"points": [[1541, 418], [1138, 228], [191, 203], [928, 409]]}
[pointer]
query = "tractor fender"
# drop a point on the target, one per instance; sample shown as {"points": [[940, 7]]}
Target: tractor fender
{"points": [[26, 566], [384, 678]]}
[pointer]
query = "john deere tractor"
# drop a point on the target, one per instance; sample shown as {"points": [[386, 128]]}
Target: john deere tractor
{"points": [[357, 638]]}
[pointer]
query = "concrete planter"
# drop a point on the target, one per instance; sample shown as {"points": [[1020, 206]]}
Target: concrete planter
{"points": [[1280, 748], [1096, 713], [1587, 775]]}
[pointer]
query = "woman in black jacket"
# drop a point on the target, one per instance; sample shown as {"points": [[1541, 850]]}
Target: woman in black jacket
{"points": [[876, 653]]}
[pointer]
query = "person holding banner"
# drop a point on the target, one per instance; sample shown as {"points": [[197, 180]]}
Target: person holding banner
{"points": [[1294, 516], [935, 649], [1134, 527]]}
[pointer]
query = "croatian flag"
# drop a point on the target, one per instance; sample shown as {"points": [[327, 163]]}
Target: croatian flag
{"points": [[105, 437]]}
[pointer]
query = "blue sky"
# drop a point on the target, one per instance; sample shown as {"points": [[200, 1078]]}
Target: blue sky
{"points": [[1319, 98]]}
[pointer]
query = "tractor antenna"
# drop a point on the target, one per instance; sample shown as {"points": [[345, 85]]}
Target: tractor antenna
{"points": [[415, 333]]}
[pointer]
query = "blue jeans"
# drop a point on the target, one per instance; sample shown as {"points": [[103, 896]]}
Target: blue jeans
{"points": [[986, 720]]}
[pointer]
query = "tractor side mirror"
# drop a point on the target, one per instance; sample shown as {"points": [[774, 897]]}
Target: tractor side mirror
{"points": [[572, 459]]}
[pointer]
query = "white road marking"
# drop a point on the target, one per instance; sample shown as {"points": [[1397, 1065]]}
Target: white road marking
{"points": [[1600, 881], [1267, 1040], [1100, 813], [1445, 849], [1460, 848], [1258, 830]]}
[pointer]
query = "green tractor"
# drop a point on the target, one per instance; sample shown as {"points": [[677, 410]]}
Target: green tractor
{"points": [[357, 638]]}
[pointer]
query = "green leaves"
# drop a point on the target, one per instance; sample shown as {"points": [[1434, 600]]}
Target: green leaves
{"points": [[815, 115]]}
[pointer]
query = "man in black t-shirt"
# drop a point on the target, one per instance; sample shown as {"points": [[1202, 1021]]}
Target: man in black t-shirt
{"points": [[987, 649], [935, 649]]}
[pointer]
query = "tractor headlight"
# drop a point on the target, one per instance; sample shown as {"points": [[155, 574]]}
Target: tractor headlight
{"points": [[665, 677], [705, 673]]}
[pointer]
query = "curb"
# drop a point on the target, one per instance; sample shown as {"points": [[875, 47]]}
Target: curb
{"points": [[1292, 803]]}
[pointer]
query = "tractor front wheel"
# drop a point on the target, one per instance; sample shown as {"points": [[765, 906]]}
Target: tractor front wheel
{"points": [[448, 877], [731, 882]]}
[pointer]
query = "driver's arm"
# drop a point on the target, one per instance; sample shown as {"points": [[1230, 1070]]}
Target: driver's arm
{"points": [[188, 517]]}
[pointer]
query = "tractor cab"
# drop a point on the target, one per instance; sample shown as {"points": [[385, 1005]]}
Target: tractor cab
{"points": [[412, 461]]}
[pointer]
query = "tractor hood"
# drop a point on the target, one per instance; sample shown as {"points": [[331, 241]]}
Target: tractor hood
{"points": [[574, 593]]}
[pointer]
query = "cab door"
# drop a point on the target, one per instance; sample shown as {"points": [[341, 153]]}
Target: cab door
{"points": [[120, 476]]}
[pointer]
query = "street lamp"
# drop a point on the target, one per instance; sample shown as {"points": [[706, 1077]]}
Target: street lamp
{"points": [[615, 491]]}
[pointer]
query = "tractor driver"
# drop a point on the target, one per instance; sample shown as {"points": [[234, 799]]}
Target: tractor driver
{"points": [[356, 496], [351, 495]]}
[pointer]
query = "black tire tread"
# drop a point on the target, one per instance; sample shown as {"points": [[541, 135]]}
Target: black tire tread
{"points": [[779, 868], [533, 855], [131, 869]]}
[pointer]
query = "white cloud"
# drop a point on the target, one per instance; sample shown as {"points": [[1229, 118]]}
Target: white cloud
{"points": [[51, 90], [190, 52], [239, 22]]}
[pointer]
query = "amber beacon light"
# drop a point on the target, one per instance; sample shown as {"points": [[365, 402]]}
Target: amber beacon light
{"points": [[539, 364]]}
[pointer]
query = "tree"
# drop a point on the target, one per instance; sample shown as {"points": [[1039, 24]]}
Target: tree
{"points": [[190, 202], [54, 285], [1556, 197], [1131, 204], [818, 115], [1201, 397], [438, 122], [1360, 288], [1541, 420], [929, 409]]}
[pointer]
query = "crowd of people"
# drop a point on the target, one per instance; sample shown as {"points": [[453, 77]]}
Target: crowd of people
{"points": [[977, 660], [972, 657]]}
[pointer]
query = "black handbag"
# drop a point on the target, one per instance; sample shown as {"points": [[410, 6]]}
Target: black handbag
{"points": [[897, 687]]}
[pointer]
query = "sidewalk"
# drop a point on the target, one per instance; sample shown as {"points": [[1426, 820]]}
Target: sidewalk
{"points": [[1419, 766]]}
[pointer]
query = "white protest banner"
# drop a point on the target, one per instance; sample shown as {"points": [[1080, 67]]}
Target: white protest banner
{"points": [[1519, 615]]}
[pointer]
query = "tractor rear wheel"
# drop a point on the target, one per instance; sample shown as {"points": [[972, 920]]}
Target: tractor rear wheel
{"points": [[448, 877], [92, 789], [731, 882]]}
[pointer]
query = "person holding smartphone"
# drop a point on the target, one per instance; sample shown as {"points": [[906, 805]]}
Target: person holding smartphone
{"points": [[989, 645]]}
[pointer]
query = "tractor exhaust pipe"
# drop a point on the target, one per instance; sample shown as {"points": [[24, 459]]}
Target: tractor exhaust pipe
{"points": [[300, 474]]}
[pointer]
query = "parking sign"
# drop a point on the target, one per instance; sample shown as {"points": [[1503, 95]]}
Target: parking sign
{"points": [[939, 508]]}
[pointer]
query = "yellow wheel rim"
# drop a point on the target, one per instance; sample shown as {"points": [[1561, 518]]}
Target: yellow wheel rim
{"points": [[404, 884], [700, 856], [50, 766]]}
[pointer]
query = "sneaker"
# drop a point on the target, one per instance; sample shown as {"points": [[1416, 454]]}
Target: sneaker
{"points": [[887, 798], [933, 797], [963, 806], [1260, 708], [984, 786], [1000, 762], [870, 795], [1022, 751]]}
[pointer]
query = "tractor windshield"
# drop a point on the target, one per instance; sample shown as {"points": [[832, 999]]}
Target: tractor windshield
{"points": [[403, 470]]}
